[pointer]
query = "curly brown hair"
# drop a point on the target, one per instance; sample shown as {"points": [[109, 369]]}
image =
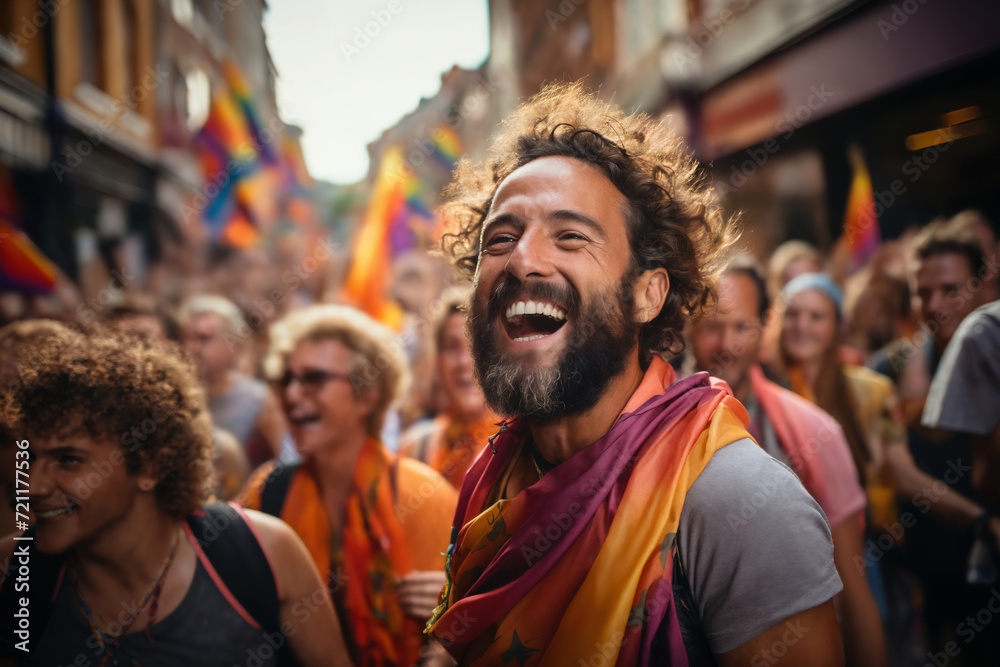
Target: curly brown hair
{"points": [[128, 389], [673, 218]]}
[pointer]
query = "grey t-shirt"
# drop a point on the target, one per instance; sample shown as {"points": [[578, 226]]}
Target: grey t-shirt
{"points": [[965, 393], [237, 409], [755, 546]]}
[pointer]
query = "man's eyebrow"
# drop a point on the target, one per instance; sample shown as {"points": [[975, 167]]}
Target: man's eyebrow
{"points": [[561, 214], [575, 216], [500, 219], [66, 449]]}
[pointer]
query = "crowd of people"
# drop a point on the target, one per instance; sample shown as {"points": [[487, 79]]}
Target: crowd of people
{"points": [[605, 437]]}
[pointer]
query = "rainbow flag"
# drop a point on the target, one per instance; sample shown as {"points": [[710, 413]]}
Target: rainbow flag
{"points": [[861, 230], [446, 146], [296, 174], [241, 232], [237, 164], [23, 267], [226, 155], [381, 236], [241, 96]]}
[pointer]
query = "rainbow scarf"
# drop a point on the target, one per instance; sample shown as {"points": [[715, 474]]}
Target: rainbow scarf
{"points": [[578, 566]]}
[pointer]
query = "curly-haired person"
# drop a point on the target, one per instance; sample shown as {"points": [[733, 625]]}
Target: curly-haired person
{"points": [[379, 524], [619, 516], [127, 563]]}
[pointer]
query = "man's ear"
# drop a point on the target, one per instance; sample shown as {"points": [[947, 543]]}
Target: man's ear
{"points": [[650, 293], [147, 481]]}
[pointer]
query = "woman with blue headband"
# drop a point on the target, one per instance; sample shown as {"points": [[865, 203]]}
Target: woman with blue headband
{"points": [[864, 402], [866, 405]]}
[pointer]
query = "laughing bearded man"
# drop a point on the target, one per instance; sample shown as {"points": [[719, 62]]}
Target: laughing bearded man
{"points": [[619, 517]]}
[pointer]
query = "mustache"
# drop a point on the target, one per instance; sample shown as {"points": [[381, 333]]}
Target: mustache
{"points": [[513, 289]]}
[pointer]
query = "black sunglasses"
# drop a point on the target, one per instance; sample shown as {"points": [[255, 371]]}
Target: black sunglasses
{"points": [[311, 380]]}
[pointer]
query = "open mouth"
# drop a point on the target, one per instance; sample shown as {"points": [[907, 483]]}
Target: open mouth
{"points": [[302, 419], [56, 513], [526, 321]]}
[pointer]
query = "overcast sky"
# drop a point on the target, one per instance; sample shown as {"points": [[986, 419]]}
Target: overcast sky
{"points": [[343, 91]]}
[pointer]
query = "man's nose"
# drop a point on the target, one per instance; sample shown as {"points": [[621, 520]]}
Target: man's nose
{"points": [[291, 392], [936, 302], [531, 256], [41, 483], [464, 360], [729, 340]]}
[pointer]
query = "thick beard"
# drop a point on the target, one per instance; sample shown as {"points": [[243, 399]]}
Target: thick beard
{"points": [[601, 338]]}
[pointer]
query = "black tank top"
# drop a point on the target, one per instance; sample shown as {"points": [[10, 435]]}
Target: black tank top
{"points": [[203, 631]]}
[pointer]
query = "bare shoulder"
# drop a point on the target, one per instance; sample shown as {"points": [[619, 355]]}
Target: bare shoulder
{"points": [[275, 535]]}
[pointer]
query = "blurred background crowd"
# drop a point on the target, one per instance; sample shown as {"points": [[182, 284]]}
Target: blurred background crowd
{"points": [[148, 183]]}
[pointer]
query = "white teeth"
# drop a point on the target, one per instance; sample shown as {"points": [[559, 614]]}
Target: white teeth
{"points": [[534, 308], [52, 513], [527, 339]]}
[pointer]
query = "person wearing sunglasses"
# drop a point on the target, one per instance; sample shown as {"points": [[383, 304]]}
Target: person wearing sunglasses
{"points": [[377, 524]]}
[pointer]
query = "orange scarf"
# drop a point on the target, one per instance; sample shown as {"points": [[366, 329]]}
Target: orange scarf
{"points": [[363, 567], [454, 445]]}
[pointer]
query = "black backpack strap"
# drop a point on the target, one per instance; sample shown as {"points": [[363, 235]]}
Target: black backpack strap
{"points": [[394, 478], [692, 631], [424, 444], [272, 496], [236, 560], [40, 588]]}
